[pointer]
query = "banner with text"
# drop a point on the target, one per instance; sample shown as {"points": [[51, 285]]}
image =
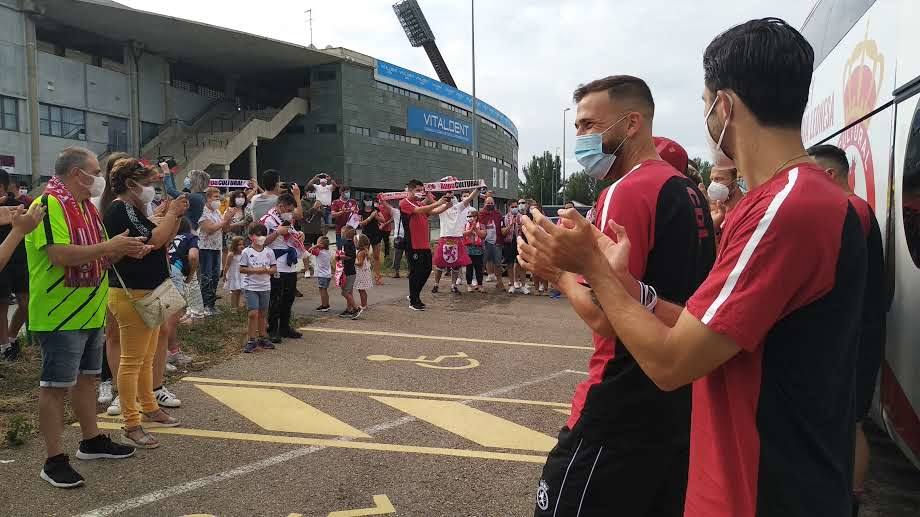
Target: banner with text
{"points": [[431, 123]]}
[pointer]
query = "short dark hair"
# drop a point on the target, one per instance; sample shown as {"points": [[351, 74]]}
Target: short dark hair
{"points": [[768, 64], [269, 179], [71, 157], [287, 199], [833, 154], [4, 179], [25, 184], [413, 183], [620, 87], [258, 229]]}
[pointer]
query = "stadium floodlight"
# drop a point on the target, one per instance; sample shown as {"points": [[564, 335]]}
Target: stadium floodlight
{"points": [[420, 35], [413, 22]]}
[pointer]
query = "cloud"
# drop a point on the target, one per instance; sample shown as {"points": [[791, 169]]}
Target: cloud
{"points": [[530, 55]]}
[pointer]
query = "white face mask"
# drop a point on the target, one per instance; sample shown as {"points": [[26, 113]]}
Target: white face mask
{"points": [[240, 201], [146, 195], [718, 192], [322, 182], [214, 205], [369, 204], [23, 192], [259, 240], [419, 195], [719, 158], [287, 217], [97, 186]]}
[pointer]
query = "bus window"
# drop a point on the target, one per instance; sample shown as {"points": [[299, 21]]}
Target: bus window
{"points": [[911, 190], [830, 21]]}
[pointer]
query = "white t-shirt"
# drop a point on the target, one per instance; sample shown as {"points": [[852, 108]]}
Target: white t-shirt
{"points": [[272, 223], [323, 264], [210, 241], [397, 223], [261, 204], [323, 193], [252, 258], [453, 221]]}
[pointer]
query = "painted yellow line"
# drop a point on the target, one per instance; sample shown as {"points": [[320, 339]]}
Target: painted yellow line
{"points": [[441, 338], [382, 506], [275, 410], [366, 446], [563, 411], [475, 425], [375, 392]]}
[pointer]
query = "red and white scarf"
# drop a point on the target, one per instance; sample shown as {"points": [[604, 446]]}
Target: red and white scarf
{"points": [[86, 229], [292, 239]]}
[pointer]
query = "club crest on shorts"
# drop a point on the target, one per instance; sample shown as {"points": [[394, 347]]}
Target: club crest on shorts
{"points": [[543, 495]]}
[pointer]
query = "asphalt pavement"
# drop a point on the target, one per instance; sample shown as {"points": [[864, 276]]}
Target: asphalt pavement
{"points": [[448, 412]]}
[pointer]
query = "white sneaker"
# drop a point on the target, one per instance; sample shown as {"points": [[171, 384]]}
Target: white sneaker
{"points": [[171, 368], [525, 290], [540, 290], [165, 398], [306, 274], [177, 358], [512, 289], [105, 393], [490, 277], [475, 282], [459, 282], [115, 408], [469, 288]]}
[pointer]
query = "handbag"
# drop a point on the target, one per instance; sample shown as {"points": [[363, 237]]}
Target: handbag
{"points": [[157, 305]]}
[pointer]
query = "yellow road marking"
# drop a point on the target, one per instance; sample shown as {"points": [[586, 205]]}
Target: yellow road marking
{"points": [[441, 338], [376, 392], [475, 425], [382, 506], [424, 362], [367, 446], [563, 411], [275, 410]]}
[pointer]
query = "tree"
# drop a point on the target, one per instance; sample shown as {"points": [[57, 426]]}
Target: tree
{"points": [[542, 176], [703, 167], [583, 188]]}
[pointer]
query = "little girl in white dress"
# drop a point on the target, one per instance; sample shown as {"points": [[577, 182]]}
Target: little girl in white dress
{"points": [[364, 280], [233, 282]]}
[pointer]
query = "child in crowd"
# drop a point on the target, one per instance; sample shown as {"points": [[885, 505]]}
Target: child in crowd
{"points": [[323, 271], [257, 265], [364, 276], [473, 234], [347, 257], [183, 260], [231, 271]]}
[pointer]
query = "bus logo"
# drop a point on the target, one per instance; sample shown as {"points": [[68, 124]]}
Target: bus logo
{"points": [[862, 80]]}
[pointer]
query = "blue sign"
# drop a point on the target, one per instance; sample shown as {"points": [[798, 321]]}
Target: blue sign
{"points": [[398, 76], [432, 123]]}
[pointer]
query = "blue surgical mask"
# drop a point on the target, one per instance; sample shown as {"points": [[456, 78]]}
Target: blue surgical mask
{"points": [[346, 195], [589, 151]]}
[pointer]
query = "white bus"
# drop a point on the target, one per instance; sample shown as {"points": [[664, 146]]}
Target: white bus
{"points": [[864, 99]]}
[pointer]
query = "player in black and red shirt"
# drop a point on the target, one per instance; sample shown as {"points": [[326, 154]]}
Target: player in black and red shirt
{"points": [[769, 340], [876, 301], [415, 210], [624, 449]]}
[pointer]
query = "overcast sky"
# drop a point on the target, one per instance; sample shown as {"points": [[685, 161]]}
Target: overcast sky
{"points": [[530, 54]]}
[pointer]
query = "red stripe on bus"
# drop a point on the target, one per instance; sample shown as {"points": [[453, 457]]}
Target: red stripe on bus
{"points": [[899, 410]]}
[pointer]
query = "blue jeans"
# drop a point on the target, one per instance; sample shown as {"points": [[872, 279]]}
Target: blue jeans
{"points": [[209, 261]]}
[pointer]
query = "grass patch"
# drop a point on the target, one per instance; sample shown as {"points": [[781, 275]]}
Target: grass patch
{"points": [[19, 396]]}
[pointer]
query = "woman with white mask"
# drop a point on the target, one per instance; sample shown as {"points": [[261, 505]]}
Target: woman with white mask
{"points": [[211, 227]]}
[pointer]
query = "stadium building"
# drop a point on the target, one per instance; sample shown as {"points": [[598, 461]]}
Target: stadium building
{"points": [[103, 75]]}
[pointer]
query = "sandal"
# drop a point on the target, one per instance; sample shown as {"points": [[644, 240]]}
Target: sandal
{"points": [[160, 418], [144, 441]]}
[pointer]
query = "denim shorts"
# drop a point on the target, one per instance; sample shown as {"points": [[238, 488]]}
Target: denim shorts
{"points": [[493, 253], [66, 353], [323, 283], [257, 300]]}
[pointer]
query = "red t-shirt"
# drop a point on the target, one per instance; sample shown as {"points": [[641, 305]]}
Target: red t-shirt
{"points": [[350, 207], [496, 220], [419, 233], [772, 427]]}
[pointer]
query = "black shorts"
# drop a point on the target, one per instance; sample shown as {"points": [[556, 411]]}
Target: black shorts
{"points": [[586, 479], [14, 279], [509, 254]]}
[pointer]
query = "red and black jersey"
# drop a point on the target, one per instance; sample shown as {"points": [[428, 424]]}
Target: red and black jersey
{"points": [[876, 301], [673, 248], [772, 427]]}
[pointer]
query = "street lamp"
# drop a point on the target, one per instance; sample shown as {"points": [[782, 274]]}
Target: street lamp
{"points": [[564, 112]]}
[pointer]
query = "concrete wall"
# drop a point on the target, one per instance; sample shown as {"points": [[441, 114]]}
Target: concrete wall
{"points": [[301, 155], [154, 72], [12, 53]]}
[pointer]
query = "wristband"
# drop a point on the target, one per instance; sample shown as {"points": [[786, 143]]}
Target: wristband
{"points": [[648, 296]]}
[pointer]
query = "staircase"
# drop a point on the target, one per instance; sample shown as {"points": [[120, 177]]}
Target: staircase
{"points": [[220, 135]]}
